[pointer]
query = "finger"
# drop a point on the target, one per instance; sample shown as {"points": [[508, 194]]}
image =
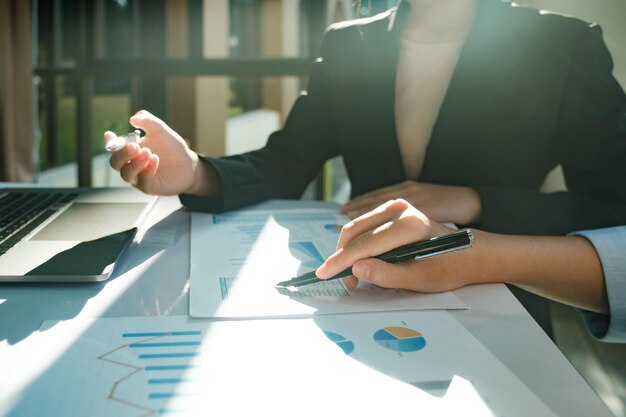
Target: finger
{"points": [[381, 191], [120, 158], [365, 199], [380, 195], [350, 282], [393, 224], [353, 214], [145, 177], [354, 209], [386, 275], [368, 221], [131, 170], [153, 164], [357, 201], [148, 122], [364, 246], [109, 136]]}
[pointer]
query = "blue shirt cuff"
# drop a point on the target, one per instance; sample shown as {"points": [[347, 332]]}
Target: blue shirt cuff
{"points": [[609, 244]]}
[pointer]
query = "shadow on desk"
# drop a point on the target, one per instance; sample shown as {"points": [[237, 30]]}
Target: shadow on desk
{"points": [[27, 305]]}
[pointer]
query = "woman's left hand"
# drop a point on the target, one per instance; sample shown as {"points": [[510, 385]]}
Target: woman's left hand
{"points": [[442, 203]]}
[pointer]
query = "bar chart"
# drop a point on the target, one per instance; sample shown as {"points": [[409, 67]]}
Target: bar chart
{"points": [[160, 367]]}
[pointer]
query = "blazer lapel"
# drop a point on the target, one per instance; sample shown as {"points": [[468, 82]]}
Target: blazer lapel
{"points": [[485, 63], [378, 122]]}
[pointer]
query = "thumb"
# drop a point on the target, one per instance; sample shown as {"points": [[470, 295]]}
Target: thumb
{"points": [[147, 122], [376, 272], [108, 136]]}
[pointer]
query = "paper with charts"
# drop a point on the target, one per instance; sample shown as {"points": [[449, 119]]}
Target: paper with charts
{"points": [[382, 364], [238, 257]]}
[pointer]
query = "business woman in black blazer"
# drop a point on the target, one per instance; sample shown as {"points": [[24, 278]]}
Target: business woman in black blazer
{"points": [[529, 92]]}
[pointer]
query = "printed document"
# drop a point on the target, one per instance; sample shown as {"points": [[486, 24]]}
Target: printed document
{"points": [[363, 364], [238, 257]]}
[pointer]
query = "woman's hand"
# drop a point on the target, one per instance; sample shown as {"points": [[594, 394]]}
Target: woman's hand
{"points": [[161, 163], [566, 268], [389, 226], [443, 203]]}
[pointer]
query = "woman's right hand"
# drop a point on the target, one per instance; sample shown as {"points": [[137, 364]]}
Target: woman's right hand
{"points": [[389, 226], [161, 163]]}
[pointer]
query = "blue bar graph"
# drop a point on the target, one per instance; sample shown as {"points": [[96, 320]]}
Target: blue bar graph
{"points": [[160, 395], [168, 355], [169, 367], [172, 411], [158, 334], [154, 381], [163, 344]]}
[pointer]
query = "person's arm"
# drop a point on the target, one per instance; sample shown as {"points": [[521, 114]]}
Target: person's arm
{"points": [[460, 205], [292, 157], [565, 269], [161, 163], [589, 143]]}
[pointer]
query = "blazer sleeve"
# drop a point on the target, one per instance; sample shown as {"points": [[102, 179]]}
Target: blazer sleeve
{"points": [[292, 157], [590, 144], [610, 244]]}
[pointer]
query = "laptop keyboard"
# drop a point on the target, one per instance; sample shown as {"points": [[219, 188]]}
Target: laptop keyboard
{"points": [[22, 211]]}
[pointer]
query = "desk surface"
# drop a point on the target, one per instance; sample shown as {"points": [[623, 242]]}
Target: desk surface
{"points": [[152, 280]]}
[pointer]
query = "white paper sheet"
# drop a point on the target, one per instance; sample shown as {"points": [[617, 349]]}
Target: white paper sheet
{"points": [[238, 257], [364, 364]]}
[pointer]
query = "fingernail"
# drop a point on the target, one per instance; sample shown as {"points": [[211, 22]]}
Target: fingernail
{"points": [[361, 270]]}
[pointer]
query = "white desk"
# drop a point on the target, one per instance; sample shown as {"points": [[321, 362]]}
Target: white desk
{"points": [[152, 279]]}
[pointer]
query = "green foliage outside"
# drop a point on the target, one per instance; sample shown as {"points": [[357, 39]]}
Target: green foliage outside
{"points": [[110, 112]]}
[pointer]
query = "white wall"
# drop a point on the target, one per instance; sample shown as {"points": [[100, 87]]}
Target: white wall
{"points": [[609, 14], [250, 130]]}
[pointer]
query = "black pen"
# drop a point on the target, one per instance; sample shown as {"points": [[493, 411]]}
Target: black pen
{"points": [[419, 250]]}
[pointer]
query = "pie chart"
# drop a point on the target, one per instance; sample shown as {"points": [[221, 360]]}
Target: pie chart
{"points": [[345, 345], [400, 339]]}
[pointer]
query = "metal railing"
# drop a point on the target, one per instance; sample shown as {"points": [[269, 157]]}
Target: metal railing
{"points": [[87, 67]]}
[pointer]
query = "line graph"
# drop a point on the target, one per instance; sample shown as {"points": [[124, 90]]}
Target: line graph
{"points": [[150, 341]]}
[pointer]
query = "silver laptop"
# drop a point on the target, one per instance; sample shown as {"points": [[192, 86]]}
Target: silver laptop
{"points": [[66, 235]]}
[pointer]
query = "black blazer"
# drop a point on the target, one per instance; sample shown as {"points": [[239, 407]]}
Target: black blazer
{"points": [[529, 92]]}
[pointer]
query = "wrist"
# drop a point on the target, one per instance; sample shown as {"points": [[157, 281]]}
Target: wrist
{"points": [[484, 263], [473, 206], [206, 182]]}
